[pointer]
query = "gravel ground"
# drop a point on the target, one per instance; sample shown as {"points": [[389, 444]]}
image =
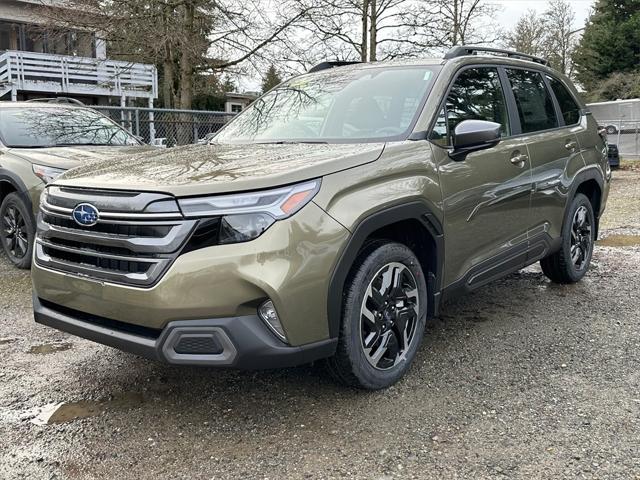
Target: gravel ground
{"points": [[522, 379]]}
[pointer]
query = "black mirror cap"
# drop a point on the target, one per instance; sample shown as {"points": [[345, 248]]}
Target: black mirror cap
{"points": [[476, 134]]}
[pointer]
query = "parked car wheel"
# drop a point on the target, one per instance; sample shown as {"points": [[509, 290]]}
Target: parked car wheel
{"points": [[384, 314], [611, 130], [16, 230], [571, 262]]}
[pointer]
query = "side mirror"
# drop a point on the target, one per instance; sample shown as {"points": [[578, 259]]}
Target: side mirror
{"points": [[472, 135]]}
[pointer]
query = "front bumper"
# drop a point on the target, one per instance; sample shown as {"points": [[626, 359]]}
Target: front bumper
{"points": [[240, 342]]}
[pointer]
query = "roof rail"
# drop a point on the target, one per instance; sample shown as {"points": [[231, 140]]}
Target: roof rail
{"points": [[327, 65], [67, 100], [463, 50]]}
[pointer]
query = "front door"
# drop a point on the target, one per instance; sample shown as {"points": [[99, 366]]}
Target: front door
{"points": [[486, 196]]}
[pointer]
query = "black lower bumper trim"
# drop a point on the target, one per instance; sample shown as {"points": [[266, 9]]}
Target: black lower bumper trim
{"points": [[247, 342]]}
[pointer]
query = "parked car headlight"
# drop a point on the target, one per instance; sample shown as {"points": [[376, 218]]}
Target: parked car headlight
{"points": [[242, 217], [47, 174]]}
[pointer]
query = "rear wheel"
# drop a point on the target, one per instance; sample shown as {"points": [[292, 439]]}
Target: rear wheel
{"points": [[385, 304], [571, 262], [16, 230]]}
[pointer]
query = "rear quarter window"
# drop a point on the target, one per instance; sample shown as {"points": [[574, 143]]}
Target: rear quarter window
{"points": [[568, 106]]}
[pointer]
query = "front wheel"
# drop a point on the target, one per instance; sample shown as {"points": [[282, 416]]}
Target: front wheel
{"points": [[384, 314], [16, 230], [571, 262]]}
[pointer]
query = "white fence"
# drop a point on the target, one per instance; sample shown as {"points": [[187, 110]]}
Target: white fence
{"points": [[68, 75]]}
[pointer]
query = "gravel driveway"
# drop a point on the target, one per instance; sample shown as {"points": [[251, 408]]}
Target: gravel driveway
{"points": [[522, 379]]}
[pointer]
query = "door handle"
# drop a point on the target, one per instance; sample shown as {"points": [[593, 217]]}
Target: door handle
{"points": [[519, 159], [571, 145]]}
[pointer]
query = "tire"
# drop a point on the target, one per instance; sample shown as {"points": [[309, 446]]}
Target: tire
{"points": [[611, 130], [571, 262], [17, 230], [366, 318]]}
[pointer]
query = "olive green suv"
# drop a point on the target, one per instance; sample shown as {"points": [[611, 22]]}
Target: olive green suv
{"points": [[330, 219], [38, 142]]}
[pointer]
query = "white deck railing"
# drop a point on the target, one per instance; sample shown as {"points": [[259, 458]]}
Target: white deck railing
{"points": [[63, 74]]}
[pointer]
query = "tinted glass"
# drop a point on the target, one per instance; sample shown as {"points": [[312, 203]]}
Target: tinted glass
{"points": [[475, 95], [535, 106], [341, 104], [568, 106], [59, 126]]}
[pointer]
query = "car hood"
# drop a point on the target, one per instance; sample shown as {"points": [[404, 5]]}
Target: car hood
{"points": [[71, 157], [210, 169]]}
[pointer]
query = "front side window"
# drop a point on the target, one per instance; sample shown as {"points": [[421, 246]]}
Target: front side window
{"points": [[38, 127], [476, 94], [333, 106], [568, 106], [535, 105]]}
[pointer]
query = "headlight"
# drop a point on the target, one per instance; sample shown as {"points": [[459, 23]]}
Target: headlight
{"points": [[47, 174], [242, 217], [278, 203]]}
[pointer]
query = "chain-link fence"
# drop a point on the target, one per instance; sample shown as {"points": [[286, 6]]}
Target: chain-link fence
{"points": [[625, 134], [167, 127]]}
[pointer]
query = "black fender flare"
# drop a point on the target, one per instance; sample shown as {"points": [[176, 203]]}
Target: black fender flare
{"points": [[7, 176], [417, 210], [589, 173]]}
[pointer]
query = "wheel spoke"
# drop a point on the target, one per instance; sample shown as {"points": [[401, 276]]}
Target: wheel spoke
{"points": [[369, 316], [381, 350]]}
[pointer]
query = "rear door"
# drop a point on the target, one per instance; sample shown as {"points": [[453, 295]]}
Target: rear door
{"points": [[554, 152], [485, 195]]}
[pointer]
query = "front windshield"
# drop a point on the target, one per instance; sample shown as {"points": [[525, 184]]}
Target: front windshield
{"points": [[338, 105], [34, 127]]}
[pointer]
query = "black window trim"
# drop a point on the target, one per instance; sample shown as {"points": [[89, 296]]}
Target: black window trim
{"points": [[443, 102], [512, 108]]}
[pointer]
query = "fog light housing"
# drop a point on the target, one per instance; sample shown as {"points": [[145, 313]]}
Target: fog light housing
{"points": [[268, 314]]}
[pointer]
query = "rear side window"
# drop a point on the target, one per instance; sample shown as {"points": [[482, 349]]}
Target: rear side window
{"points": [[476, 94], [535, 105], [568, 106]]}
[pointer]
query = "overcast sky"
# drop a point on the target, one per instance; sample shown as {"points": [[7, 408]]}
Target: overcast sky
{"points": [[513, 9]]}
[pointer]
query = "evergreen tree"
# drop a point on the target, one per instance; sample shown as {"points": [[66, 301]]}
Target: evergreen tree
{"points": [[271, 79], [611, 42]]}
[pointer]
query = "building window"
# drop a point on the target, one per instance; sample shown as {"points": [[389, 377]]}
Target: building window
{"points": [[236, 108]]}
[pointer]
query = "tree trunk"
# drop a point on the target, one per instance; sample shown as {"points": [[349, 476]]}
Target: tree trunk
{"points": [[365, 27], [373, 31], [186, 60], [168, 78], [456, 23]]}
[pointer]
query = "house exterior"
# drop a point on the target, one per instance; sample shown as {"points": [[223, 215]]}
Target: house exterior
{"points": [[35, 62], [236, 102]]}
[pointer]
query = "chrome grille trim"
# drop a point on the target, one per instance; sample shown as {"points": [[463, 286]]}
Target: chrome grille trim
{"points": [[129, 247]]}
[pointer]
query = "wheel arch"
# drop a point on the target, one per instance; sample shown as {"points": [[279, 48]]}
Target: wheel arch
{"points": [[590, 183], [10, 182], [409, 223]]}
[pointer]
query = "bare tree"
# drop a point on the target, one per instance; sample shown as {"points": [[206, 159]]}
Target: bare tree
{"points": [[551, 35], [562, 36], [529, 35], [182, 37]]}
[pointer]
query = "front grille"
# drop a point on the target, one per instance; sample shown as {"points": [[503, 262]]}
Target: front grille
{"points": [[133, 247]]}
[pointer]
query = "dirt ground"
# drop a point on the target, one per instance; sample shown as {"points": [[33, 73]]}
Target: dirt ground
{"points": [[522, 379]]}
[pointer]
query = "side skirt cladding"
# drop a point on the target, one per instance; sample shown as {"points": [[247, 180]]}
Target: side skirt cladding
{"points": [[367, 228]]}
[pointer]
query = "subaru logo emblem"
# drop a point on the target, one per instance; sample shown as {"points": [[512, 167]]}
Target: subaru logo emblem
{"points": [[85, 214]]}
